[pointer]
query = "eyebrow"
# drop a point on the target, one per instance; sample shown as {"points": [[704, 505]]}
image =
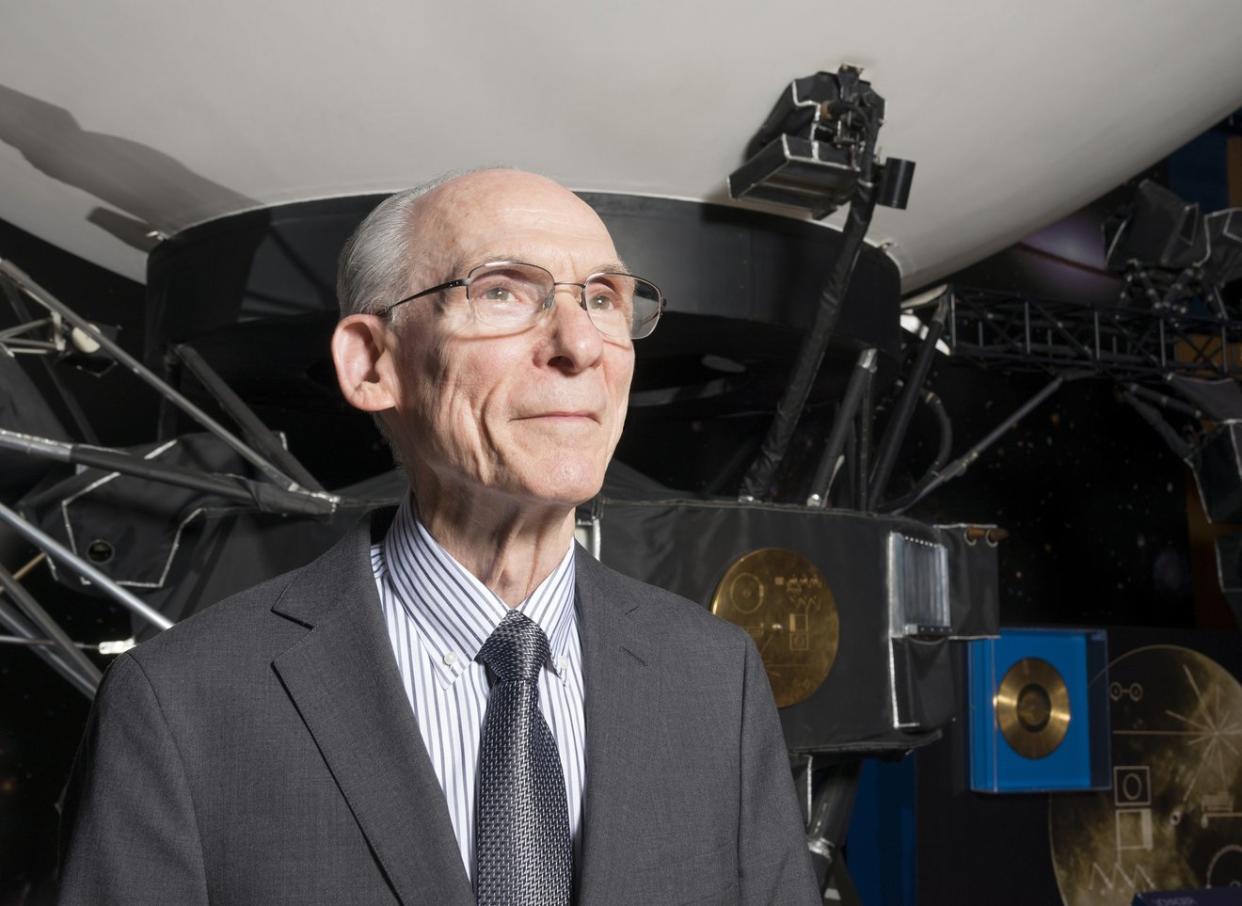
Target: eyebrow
{"points": [[461, 266]]}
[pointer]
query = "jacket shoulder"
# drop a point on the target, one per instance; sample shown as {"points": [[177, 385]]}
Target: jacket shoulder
{"points": [[666, 613], [246, 625], [239, 627]]}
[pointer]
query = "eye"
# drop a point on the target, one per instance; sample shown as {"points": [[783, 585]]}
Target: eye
{"points": [[608, 293], [601, 299], [506, 287], [499, 292]]}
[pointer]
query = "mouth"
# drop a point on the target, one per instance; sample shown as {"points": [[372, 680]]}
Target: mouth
{"points": [[563, 417], [588, 416]]}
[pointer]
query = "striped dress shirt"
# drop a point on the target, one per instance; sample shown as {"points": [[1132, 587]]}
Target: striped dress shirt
{"points": [[438, 616]]}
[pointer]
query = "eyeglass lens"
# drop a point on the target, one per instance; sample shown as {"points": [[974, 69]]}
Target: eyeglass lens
{"points": [[510, 296]]}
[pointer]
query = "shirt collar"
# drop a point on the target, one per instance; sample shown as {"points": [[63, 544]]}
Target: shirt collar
{"points": [[455, 612]]}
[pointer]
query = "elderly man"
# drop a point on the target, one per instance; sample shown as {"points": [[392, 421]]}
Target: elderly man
{"points": [[453, 705]]}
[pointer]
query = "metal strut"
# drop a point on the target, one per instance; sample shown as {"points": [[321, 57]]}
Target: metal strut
{"points": [[47, 300], [829, 462], [76, 564]]}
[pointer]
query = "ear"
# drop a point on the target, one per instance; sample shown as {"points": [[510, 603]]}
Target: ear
{"points": [[360, 349]]}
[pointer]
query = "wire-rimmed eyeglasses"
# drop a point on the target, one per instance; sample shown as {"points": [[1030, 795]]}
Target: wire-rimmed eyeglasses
{"points": [[509, 296]]}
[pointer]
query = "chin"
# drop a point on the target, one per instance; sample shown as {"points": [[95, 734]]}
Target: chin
{"points": [[562, 483]]}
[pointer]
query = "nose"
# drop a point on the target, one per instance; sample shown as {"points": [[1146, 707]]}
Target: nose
{"points": [[576, 343]]}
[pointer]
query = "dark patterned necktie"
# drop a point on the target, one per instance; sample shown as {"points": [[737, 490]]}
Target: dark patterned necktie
{"points": [[522, 849]]}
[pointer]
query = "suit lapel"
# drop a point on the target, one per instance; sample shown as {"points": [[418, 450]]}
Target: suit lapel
{"points": [[620, 691], [343, 680]]}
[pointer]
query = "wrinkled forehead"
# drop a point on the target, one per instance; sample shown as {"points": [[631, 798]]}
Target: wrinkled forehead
{"points": [[508, 215]]}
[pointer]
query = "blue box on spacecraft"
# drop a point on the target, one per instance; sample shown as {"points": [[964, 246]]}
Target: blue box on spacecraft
{"points": [[1039, 711]]}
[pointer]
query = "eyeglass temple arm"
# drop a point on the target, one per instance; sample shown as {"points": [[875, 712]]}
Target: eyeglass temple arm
{"points": [[427, 292]]}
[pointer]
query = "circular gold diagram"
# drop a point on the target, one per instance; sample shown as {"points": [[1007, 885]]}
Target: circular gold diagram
{"points": [[783, 600], [1032, 708], [1172, 818]]}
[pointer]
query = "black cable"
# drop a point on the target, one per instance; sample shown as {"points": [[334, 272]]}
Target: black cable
{"points": [[943, 452], [758, 479], [963, 462], [899, 423]]}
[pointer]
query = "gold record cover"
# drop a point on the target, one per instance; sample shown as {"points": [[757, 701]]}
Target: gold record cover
{"points": [[1032, 708], [783, 600], [1173, 818]]}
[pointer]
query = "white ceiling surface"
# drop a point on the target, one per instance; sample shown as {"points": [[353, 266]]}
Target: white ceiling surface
{"points": [[179, 111]]}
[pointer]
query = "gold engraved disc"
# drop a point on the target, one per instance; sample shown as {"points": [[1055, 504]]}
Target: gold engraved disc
{"points": [[1032, 708], [782, 599], [1172, 817]]}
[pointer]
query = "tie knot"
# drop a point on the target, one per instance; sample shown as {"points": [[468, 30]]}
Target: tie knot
{"points": [[516, 649]]}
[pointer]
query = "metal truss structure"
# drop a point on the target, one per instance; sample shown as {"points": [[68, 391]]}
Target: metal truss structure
{"points": [[1020, 333]]}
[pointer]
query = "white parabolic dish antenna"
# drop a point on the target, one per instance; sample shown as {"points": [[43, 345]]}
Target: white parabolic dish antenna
{"points": [[173, 113]]}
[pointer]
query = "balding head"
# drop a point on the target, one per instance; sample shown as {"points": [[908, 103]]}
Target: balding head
{"points": [[375, 261], [417, 236]]}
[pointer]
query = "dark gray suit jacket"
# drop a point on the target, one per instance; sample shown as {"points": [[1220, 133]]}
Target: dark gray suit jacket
{"points": [[264, 752]]}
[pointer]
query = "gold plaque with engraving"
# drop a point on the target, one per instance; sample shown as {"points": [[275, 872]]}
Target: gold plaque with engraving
{"points": [[782, 599], [1171, 818]]}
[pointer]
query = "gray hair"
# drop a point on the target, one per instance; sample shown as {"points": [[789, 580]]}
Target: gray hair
{"points": [[374, 267]]}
